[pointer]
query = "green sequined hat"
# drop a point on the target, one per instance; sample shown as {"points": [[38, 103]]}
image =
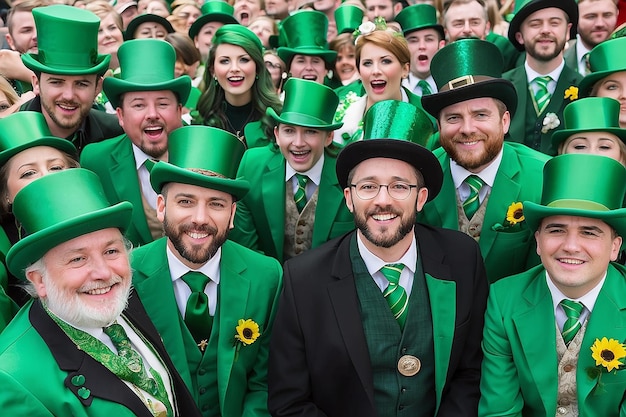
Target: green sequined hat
{"points": [[418, 17], [393, 119], [597, 191], [605, 59], [68, 42], [305, 34], [129, 33], [213, 11], [348, 17], [524, 8], [204, 156]]}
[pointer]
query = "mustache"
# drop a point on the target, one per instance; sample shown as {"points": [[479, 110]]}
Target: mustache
{"points": [[200, 228]]}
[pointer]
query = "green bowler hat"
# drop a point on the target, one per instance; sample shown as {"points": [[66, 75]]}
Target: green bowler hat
{"points": [[524, 8], [305, 33], [204, 156], [74, 204], [393, 119], [146, 65], [348, 17], [213, 11], [129, 33], [418, 17], [596, 191], [591, 114], [307, 104], [68, 42], [468, 69], [28, 129], [605, 59]]}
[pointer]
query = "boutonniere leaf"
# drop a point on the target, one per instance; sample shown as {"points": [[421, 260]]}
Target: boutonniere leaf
{"points": [[571, 93], [246, 333], [608, 354], [513, 219]]}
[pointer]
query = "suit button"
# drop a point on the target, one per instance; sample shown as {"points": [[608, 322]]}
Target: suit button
{"points": [[403, 350], [568, 368], [565, 402], [202, 390], [299, 232], [201, 371], [299, 241], [301, 223], [403, 390], [561, 410], [298, 251]]}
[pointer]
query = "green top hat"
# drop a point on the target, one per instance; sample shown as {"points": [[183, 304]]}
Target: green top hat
{"points": [[307, 104], [25, 130], [213, 11], [392, 119], [129, 33], [146, 65], [592, 114], [605, 59], [418, 17], [525, 8], [468, 69], [348, 17], [68, 42], [204, 156], [75, 205], [234, 35], [596, 191], [305, 33]]}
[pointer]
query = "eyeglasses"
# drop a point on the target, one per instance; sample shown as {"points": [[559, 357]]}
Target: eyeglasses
{"points": [[398, 190]]}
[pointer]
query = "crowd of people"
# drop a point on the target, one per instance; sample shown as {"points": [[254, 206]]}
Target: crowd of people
{"points": [[279, 208]]}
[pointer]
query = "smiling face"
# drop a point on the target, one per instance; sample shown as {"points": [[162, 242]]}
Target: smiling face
{"points": [[346, 64], [544, 34], [205, 36], [423, 45], [597, 143], [235, 71], [466, 20], [247, 10], [301, 146], [308, 67], [382, 74], [109, 36], [597, 20]]}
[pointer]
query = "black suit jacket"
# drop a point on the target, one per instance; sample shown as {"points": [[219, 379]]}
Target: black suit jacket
{"points": [[319, 360]]}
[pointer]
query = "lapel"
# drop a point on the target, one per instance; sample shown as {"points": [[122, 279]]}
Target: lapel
{"points": [[571, 56], [329, 200], [519, 80], [568, 78], [273, 192], [440, 206]]}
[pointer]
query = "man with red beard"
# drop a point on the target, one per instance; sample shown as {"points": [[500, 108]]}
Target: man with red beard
{"points": [[212, 300], [148, 99], [483, 175], [544, 84]]}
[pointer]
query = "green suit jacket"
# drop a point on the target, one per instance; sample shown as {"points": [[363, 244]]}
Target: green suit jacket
{"points": [[250, 284], [519, 370], [114, 162], [260, 216], [519, 178]]}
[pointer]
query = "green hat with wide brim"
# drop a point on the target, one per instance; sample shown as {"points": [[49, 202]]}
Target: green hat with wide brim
{"points": [[393, 119], [605, 59], [146, 65], [597, 191], [305, 33], [203, 156], [237, 35], [59, 207], [213, 11], [28, 129], [68, 42], [307, 104], [525, 8], [129, 33], [591, 114], [465, 70], [418, 17], [348, 17]]}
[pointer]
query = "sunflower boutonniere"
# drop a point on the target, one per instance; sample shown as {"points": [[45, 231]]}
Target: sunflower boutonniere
{"points": [[513, 219], [571, 93], [246, 333], [608, 354]]}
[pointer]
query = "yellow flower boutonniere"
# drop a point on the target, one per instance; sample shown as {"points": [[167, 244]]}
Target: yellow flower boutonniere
{"points": [[513, 219], [247, 332], [571, 93], [608, 354]]}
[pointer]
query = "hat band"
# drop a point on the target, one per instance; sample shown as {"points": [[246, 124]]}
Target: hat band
{"points": [[464, 81], [578, 204]]}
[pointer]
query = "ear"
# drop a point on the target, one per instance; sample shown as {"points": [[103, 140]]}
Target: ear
{"points": [[120, 116], [569, 28], [397, 8], [35, 83], [160, 208], [405, 70], [422, 196], [347, 194], [506, 122], [519, 38], [231, 224], [615, 248], [99, 81], [36, 279], [329, 138], [537, 241], [9, 39]]}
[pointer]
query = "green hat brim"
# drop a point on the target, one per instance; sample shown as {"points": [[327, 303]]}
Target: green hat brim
{"points": [[286, 54], [299, 119], [570, 7], [587, 83], [63, 145], [115, 87], [31, 61], [129, 33], [560, 136], [210, 17], [33, 247], [437, 27], [164, 172]]}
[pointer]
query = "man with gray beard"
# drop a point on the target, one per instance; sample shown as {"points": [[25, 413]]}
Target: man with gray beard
{"points": [[85, 346]]}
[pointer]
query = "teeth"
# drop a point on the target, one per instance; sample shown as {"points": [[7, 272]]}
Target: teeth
{"points": [[470, 143], [378, 83], [198, 235], [99, 291], [235, 79], [65, 107], [299, 153], [383, 217], [571, 261]]}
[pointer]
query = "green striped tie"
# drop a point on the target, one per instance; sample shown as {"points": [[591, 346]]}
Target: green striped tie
{"points": [[472, 203], [300, 195], [423, 84], [572, 324], [542, 96], [197, 317], [394, 293]]}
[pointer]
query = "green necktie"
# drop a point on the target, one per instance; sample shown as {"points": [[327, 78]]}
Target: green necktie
{"points": [[542, 96], [300, 195], [425, 87], [587, 67], [394, 293], [472, 203], [197, 317], [572, 324]]}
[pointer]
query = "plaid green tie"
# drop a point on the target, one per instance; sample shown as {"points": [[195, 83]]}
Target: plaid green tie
{"points": [[572, 324], [542, 96], [197, 317], [394, 293], [425, 87], [472, 203], [300, 195]]}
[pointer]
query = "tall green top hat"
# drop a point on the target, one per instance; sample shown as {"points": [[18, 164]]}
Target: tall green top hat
{"points": [[524, 8], [605, 59], [307, 104], [27, 129], [395, 119], [129, 33], [204, 156], [213, 11], [68, 42], [418, 17], [468, 69], [591, 114], [348, 17], [306, 35], [596, 191], [75, 205], [146, 65]]}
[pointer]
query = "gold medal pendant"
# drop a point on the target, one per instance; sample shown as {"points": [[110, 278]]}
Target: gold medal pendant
{"points": [[409, 365]]}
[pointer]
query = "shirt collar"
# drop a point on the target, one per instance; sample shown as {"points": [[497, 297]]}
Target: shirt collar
{"points": [[581, 49], [140, 156], [532, 74], [488, 175], [373, 263], [314, 174], [211, 269], [588, 300]]}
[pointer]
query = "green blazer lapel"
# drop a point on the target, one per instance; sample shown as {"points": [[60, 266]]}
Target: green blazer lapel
{"points": [[568, 78], [273, 185], [571, 55], [519, 79], [437, 212], [329, 200]]}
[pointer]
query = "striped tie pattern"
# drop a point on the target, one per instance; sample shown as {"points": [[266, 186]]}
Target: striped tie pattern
{"points": [[472, 203], [394, 293], [572, 324], [542, 96], [425, 87], [300, 194]]}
